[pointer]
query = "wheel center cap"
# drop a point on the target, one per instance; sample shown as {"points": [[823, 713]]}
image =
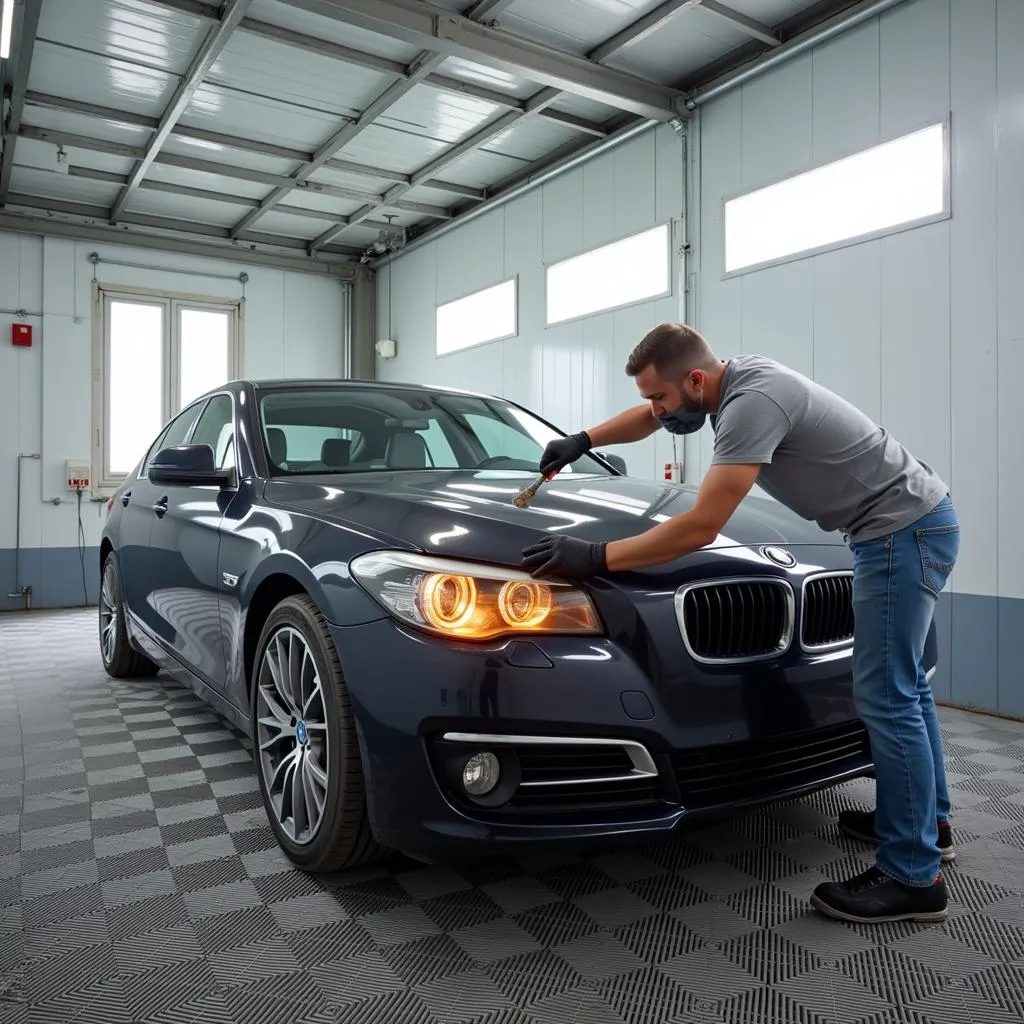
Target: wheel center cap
{"points": [[301, 734]]}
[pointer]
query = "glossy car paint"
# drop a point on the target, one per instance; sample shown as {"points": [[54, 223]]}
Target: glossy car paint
{"points": [[196, 579]]}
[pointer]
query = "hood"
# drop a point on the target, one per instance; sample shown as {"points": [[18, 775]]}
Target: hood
{"points": [[471, 514]]}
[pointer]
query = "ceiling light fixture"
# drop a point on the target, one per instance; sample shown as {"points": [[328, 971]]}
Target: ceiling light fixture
{"points": [[5, 29]]}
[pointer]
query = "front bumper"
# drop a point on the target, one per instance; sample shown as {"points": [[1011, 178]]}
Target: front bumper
{"points": [[589, 746]]}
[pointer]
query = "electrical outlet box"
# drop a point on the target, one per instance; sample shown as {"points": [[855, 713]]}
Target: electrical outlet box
{"points": [[77, 473]]}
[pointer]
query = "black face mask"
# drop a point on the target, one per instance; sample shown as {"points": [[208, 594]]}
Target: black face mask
{"points": [[683, 420]]}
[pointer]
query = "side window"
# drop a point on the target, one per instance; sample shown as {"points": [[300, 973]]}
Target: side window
{"points": [[440, 450], [500, 439], [216, 428], [174, 433]]}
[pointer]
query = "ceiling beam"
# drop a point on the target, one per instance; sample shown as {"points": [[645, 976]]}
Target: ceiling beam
{"points": [[229, 198], [231, 14], [22, 62], [98, 230], [454, 35], [424, 64], [800, 34], [482, 10], [748, 26], [535, 105], [394, 68], [190, 163], [115, 116]]}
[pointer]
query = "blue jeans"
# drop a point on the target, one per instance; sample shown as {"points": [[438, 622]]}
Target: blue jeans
{"points": [[896, 582]]}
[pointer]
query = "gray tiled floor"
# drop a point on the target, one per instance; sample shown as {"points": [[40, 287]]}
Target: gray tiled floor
{"points": [[140, 883]]}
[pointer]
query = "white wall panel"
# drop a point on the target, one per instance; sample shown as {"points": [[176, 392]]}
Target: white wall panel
{"points": [[782, 144], [471, 259], [847, 311], [635, 194], [779, 307], [1009, 139], [845, 119], [719, 309], [563, 225], [922, 329], [914, 65], [294, 327], [974, 269], [915, 342], [573, 373]]}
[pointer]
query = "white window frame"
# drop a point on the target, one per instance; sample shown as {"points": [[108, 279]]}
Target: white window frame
{"points": [[489, 339], [666, 225], [104, 481], [907, 225]]}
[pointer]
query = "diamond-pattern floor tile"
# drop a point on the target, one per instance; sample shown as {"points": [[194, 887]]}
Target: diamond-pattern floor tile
{"points": [[139, 882]]}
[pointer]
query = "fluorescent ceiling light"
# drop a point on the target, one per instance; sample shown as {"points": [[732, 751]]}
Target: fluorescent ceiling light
{"points": [[5, 29]]}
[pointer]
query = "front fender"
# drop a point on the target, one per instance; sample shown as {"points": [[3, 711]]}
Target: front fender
{"points": [[328, 582]]}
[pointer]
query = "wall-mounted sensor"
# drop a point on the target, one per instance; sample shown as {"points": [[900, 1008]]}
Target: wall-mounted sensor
{"points": [[386, 348]]}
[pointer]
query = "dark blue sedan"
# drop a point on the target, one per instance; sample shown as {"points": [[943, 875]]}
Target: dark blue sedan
{"points": [[334, 566]]}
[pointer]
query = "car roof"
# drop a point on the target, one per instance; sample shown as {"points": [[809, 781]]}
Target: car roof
{"points": [[347, 383]]}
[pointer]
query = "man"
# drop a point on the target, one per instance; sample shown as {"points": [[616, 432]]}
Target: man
{"points": [[823, 458]]}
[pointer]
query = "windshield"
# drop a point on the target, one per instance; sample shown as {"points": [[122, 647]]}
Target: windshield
{"points": [[359, 430]]}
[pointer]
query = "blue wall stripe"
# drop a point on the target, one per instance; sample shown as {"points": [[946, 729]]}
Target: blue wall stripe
{"points": [[979, 637], [55, 575]]}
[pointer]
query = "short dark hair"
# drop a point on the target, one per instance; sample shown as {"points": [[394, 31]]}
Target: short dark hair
{"points": [[674, 348]]}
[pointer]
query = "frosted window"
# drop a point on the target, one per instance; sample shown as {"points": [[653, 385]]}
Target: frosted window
{"points": [[483, 316], [878, 189], [630, 270], [160, 353], [204, 351], [135, 381]]}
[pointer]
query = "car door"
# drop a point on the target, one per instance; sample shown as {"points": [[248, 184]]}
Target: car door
{"points": [[136, 520], [184, 545]]}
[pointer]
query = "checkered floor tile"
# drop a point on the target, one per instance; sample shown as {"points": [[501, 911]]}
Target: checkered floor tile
{"points": [[140, 884]]}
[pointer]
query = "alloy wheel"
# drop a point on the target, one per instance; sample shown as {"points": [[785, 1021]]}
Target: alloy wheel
{"points": [[291, 733], [108, 615]]}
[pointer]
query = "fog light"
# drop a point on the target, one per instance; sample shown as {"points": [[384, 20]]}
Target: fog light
{"points": [[480, 774]]}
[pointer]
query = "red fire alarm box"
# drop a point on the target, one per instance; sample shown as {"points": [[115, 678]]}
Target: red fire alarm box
{"points": [[21, 334]]}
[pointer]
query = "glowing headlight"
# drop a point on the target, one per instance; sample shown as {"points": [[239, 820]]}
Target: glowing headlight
{"points": [[472, 602]]}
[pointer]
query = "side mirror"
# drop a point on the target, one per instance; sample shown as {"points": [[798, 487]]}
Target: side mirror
{"points": [[188, 464], [617, 462]]}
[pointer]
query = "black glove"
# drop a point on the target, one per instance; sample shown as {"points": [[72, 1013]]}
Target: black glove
{"points": [[563, 450], [565, 556]]}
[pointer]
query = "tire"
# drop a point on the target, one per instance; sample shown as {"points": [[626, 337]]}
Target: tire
{"points": [[293, 746], [120, 659]]}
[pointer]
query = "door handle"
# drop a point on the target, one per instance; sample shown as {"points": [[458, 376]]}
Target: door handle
{"points": [[125, 498], [160, 507]]}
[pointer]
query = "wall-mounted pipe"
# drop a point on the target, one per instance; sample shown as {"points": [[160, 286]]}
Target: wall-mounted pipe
{"points": [[836, 25], [20, 589], [19, 313]]}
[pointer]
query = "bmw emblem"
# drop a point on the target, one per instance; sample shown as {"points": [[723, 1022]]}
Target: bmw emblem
{"points": [[780, 556], [301, 734]]}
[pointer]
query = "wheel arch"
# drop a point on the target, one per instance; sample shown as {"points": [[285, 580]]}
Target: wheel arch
{"points": [[266, 596], [106, 547]]}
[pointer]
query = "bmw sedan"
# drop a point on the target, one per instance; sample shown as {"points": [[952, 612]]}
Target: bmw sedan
{"points": [[334, 566]]}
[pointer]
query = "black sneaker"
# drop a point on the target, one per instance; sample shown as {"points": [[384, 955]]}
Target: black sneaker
{"points": [[861, 825], [874, 898]]}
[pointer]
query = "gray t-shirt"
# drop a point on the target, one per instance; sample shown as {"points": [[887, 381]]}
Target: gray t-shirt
{"points": [[821, 456]]}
